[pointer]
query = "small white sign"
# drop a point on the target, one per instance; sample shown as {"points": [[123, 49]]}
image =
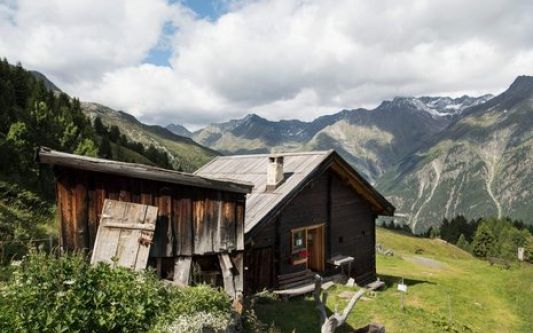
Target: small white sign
{"points": [[402, 287]]}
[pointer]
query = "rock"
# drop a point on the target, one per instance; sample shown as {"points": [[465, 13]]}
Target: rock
{"points": [[350, 283]]}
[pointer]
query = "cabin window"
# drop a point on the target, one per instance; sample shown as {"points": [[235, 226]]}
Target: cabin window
{"points": [[299, 246], [307, 247], [298, 240]]}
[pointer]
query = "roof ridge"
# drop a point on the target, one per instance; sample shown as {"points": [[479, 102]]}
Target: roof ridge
{"points": [[317, 152]]}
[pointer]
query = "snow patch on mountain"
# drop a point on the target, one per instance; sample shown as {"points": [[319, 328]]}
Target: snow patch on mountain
{"points": [[439, 106]]}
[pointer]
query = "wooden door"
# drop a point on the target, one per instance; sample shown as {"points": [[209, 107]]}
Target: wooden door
{"points": [[258, 271], [125, 233], [315, 248]]}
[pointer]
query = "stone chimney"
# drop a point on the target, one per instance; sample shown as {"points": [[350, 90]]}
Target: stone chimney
{"points": [[274, 172]]}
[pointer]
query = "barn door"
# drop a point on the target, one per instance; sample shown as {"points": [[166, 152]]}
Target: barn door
{"points": [[125, 233]]}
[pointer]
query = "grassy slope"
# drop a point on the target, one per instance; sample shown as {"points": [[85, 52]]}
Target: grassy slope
{"points": [[477, 297]]}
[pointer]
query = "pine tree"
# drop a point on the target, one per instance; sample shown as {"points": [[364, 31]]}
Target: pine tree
{"points": [[114, 133], [105, 148], [99, 127], [484, 242], [463, 244]]}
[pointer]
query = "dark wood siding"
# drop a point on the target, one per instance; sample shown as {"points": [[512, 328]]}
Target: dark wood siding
{"points": [[191, 221], [308, 208], [259, 268], [352, 229], [349, 228]]}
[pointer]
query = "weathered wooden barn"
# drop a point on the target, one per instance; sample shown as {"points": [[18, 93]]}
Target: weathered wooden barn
{"points": [[198, 218], [307, 211]]}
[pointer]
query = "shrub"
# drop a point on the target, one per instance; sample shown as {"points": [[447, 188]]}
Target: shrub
{"points": [[46, 293]]}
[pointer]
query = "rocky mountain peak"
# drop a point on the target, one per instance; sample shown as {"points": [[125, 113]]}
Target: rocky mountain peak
{"points": [[435, 106], [521, 87]]}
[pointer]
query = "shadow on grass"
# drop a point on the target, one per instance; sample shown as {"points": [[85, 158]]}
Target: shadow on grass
{"points": [[299, 315], [390, 280]]}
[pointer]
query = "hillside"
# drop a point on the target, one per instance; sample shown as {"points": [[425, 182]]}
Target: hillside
{"points": [[371, 140], [480, 166], [448, 291], [34, 112], [185, 154]]}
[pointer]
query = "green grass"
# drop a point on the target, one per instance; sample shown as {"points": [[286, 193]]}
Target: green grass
{"points": [[454, 293]]}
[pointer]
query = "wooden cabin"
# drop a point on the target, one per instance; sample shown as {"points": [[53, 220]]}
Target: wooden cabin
{"points": [[307, 211], [198, 218]]}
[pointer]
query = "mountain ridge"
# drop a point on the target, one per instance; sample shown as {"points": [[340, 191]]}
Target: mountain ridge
{"points": [[368, 139], [477, 167]]}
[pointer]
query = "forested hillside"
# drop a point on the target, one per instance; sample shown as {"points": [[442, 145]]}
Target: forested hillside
{"points": [[33, 115]]}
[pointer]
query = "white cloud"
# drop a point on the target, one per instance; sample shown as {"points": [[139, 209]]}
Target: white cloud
{"points": [[279, 58], [77, 41]]}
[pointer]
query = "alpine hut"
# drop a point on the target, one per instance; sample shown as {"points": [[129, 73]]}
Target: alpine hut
{"points": [[308, 213], [199, 220]]}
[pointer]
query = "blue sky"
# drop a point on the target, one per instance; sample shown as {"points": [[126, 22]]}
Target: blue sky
{"points": [[211, 9], [204, 9]]}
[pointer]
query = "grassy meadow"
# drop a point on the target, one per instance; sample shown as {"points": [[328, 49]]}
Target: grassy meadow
{"points": [[448, 291]]}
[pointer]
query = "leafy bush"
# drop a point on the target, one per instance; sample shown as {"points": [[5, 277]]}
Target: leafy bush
{"points": [[66, 294]]}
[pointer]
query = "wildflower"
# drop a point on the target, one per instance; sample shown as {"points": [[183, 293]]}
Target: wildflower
{"points": [[16, 263]]}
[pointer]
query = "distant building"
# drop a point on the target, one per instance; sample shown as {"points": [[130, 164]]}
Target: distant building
{"points": [[307, 211]]}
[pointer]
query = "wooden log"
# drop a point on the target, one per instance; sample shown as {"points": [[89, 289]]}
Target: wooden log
{"points": [[227, 274], [331, 323]]}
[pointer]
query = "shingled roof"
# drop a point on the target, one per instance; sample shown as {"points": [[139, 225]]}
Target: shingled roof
{"points": [[299, 169]]}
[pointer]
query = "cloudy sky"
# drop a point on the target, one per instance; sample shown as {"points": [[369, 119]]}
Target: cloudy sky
{"points": [[200, 61]]}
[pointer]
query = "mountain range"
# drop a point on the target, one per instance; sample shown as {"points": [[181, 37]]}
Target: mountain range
{"points": [[433, 157], [371, 140]]}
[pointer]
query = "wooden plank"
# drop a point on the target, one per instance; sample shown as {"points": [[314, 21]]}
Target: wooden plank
{"points": [[227, 274], [229, 218], [182, 269], [124, 193], [147, 197], [206, 237], [126, 225], [67, 214], [81, 211], [163, 239], [300, 290], [91, 213], [183, 233], [144, 249], [198, 223], [217, 228], [128, 246], [135, 189], [106, 243], [239, 224], [63, 197], [138, 171]]}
